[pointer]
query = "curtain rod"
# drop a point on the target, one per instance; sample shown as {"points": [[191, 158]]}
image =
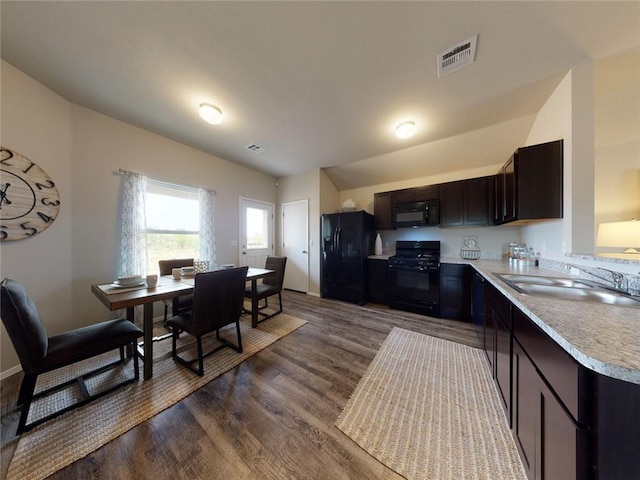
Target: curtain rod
{"points": [[122, 171]]}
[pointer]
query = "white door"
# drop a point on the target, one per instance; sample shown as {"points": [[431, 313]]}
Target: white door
{"points": [[295, 244], [256, 232]]}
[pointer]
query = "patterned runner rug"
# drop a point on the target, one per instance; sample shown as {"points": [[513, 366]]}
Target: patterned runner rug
{"points": [[427, 408], [63, 440]]}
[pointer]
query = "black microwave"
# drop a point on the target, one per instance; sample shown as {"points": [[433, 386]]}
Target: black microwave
{"points": [[416, 214]]}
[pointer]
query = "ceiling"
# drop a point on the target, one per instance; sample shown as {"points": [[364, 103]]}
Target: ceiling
{"points": [[318, 84]]}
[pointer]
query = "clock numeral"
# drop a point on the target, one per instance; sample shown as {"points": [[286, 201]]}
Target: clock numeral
{"points": [[48, 184], [6, 155], [30, 230], [46, 217], [3, 233], [28, 168], [49, 202]]}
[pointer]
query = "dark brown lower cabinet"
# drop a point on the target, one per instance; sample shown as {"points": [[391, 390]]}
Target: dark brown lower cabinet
{"points": [[568, 421], [551, 445], [377, 284], [617, 428], [503, 363], [489, 342], [455, 291], [525, 408], [497, 339]]}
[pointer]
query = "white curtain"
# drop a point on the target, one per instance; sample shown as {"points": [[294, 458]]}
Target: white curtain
{"points": [[133, 241], [207, 200]]}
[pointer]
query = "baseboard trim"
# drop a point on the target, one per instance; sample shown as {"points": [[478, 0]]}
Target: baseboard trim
{"points": [[11, 371]]}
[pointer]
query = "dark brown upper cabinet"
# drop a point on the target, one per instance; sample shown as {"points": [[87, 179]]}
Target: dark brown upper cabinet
{"points": [[383, 202], [416, 194], [465, 202], [529, 185], [383, 211]]}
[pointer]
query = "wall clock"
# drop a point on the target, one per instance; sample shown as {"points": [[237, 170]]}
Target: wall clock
{"points": [[29, 200]]}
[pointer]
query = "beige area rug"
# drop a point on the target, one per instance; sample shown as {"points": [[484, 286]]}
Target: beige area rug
{"points": [[61, 441], [427, 408]]}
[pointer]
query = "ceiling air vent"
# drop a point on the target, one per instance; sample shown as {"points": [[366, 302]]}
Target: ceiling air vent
{"points": [[457, 57], [255, 148]]}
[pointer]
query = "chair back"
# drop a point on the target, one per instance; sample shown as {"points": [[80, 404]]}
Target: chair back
{"points": [[278, 264], [217, 299], [24, 326], [166, 266]]}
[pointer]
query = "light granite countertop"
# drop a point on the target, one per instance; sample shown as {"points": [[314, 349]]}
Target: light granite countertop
{"points": [[604, 338]]}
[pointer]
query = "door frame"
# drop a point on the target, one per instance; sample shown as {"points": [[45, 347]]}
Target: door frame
{"points": [[304, 201], [271, 226]]}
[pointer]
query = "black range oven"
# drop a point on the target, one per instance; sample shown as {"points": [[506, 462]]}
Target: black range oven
{"points": [[414, 277]]}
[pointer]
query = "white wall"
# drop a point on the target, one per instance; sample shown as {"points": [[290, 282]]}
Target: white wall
{"points": [[568, 115], [299, 187], [323, 198], [37, 124], [617, 138], [82, 151]]}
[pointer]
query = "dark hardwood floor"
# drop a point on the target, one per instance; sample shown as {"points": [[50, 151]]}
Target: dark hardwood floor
{"points": [[272, 416]]}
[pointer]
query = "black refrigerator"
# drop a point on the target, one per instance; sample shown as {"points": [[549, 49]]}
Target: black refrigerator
{"points": [[347, 240]]}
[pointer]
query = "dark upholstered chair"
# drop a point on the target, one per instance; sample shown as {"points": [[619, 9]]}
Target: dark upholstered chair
{"points": [[179, 304], [271, 285], [217, 301], [39, 353]]}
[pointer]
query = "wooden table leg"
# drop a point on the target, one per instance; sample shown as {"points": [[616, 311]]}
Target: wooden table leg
{"points": [[148, 340], [254, 303]]}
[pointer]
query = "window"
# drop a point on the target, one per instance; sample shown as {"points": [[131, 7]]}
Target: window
{"points": [[257, 228], [173, 224]]}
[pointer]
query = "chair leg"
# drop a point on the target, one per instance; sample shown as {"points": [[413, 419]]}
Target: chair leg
{"points": [[267, 316], [24, 398], [174, 341], [239, 337], [135, 362], [200, 356], [27, 387]]}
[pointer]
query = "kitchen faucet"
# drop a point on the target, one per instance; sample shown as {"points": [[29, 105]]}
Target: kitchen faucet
{"points": [[618, 280]]}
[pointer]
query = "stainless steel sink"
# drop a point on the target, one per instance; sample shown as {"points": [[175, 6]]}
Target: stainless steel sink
{"points": [[567, 289], [540, 280]]}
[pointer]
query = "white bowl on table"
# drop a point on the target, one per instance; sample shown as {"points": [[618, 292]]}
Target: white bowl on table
{"points": [[130, 280], [187, 271]]}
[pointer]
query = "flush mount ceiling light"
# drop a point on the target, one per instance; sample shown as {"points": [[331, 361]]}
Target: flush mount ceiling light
{"points": [[405, 129], [210, 113]]}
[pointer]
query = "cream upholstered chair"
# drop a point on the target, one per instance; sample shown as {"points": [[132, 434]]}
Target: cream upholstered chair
{"points": [[217, 301]]}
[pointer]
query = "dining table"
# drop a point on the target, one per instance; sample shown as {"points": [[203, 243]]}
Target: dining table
{"points": [[115, 297]]}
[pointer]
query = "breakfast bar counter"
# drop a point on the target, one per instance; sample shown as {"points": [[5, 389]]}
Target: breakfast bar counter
{"points": [[601, 337]]}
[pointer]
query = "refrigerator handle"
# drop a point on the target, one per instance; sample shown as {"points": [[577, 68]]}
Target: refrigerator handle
{"points": [[337, 246]]}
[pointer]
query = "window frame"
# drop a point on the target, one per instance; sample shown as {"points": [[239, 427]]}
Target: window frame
{"points": [[191, 193]]}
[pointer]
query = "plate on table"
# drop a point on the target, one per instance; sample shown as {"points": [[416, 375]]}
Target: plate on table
{"points": [[117, 284]]}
